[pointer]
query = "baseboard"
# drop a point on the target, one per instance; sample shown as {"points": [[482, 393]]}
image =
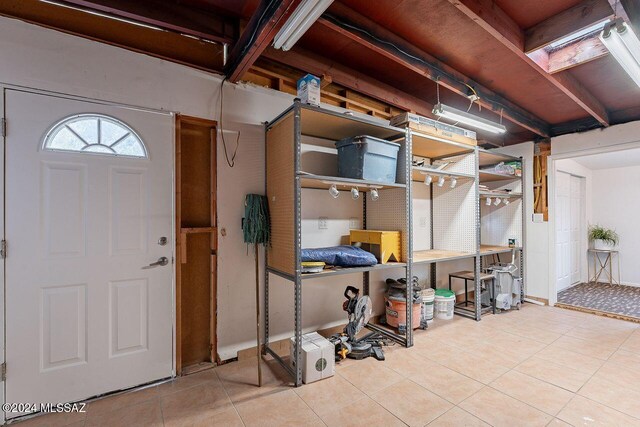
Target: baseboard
{"points": [[598, 312], [542, 300], [281, 347]]}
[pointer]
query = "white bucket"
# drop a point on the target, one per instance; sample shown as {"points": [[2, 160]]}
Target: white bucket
{"points": [[444, 307], [428, 298]]}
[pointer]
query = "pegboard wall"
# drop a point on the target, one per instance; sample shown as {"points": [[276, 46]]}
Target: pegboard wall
{"points": [[454, 217], [389, 213], [421, 202], [461, 164], [501, 223]]}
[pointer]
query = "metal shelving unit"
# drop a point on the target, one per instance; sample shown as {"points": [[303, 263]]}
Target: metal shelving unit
{"points": [[285, 180], [455, 216], [453, 236], [511, 219]]}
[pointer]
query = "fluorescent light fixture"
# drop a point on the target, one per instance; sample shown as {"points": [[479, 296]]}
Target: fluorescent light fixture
{"points": [[454, 114], [299, 22], [624, 45]]}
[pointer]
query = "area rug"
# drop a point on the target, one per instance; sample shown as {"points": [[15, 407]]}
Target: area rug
{"points": [[602, 298]]}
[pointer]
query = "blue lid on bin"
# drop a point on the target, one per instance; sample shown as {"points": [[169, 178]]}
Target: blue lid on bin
{"points": [[363, 139]]}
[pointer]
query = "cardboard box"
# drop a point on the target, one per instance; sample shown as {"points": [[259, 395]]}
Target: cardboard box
{"points": [[435, 128], [309, 90], [318, 357]]}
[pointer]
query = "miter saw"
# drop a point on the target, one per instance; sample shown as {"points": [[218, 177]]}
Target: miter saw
{"points": [[359, 310]]}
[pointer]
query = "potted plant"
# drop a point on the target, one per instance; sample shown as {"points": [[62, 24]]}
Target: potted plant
{"points": [[603, 239]]}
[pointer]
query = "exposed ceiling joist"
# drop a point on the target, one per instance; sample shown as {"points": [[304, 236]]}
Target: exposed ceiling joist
{"points": [[349, 78], [576, 53], [258, 34], [572, 20], [166, 15], [481, 11], [345, 19], [161, 44]]}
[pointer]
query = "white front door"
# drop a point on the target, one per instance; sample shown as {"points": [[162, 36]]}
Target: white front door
{"points": [[575, 233], [83, 317], [563, 230]]}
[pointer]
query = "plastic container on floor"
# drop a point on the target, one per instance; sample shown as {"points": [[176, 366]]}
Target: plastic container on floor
{"points": [[368, 158], [445, 300], [396, 312], [428, 300]]}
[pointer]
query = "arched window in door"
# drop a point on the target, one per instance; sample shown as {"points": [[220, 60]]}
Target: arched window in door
{"points": [[94, 133]]}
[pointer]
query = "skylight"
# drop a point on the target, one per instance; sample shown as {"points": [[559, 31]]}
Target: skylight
{"points": [[578, 35]]}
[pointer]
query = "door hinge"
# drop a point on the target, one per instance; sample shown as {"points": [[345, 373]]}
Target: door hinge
{"points": [[3, 249], [3, 372], [3, 126]]}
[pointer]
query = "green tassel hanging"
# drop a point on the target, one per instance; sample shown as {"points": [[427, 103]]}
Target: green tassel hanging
{"points": [[256, 227]]}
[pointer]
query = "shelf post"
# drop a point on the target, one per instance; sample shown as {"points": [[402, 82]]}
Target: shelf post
{"points": [[265, 341], [523, 207], [297, 353], [477, 264]]}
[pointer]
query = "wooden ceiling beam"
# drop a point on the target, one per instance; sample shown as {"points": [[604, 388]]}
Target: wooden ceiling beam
{"points": [[576, 53], [166, 15], [342, 20], [572, 20], [264, 24], [163, 44], [480, 10], [315, 64]]}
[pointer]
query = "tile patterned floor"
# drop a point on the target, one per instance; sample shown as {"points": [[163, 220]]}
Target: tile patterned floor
{"points": [[535, 367], [615, 299]]}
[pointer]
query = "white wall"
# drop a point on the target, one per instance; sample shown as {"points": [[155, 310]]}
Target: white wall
{"points": [[44, 59], [616, 203]]}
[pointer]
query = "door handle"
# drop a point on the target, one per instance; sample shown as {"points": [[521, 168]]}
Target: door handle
{"points": [[162, 261]]}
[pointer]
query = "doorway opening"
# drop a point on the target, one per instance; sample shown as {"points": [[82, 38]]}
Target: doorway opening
{"points": [[598, 190], [196, 244]]}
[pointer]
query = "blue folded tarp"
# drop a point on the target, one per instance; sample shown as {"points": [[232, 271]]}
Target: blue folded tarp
{"points": [[342, 256]]}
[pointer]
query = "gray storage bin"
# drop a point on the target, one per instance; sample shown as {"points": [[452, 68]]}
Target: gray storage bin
{"points": [[368, 158]]}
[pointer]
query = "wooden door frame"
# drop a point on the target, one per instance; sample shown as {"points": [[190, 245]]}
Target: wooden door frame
{"points": [[214, 235]]}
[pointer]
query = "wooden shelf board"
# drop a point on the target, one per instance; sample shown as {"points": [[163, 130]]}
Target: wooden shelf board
{"points": [[492, 249], [350, 270], [488, 158], [321, 123], [487, 176], [434, 147], [324, 182], [439, 255], [504, 195], [418, 173]]}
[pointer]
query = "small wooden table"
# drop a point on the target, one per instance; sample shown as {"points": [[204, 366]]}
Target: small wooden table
{"points": [[606, 267]]}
